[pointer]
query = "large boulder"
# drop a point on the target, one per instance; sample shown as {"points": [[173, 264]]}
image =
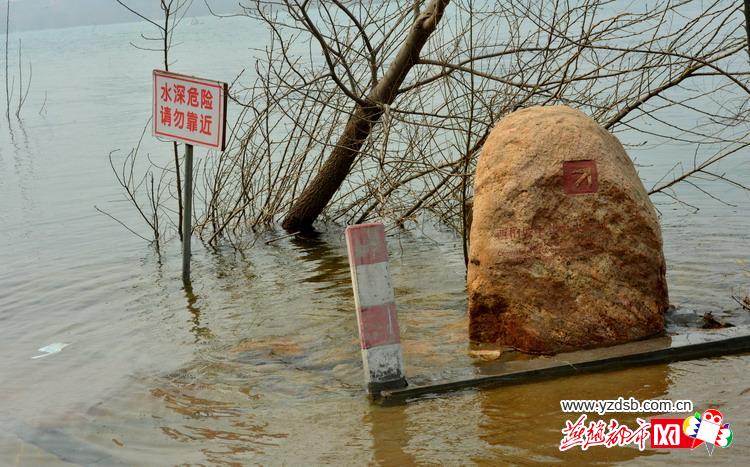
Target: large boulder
{"points": [[565, 246]]}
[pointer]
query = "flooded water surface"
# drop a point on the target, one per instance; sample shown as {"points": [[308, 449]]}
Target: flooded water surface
{"points": [[259, 362]]}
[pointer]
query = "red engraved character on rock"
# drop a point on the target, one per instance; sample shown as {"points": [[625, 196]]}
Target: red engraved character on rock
{"points": [[580, 177]]}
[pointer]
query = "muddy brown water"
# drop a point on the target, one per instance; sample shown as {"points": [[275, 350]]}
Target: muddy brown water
{"points": [[259, 362]]}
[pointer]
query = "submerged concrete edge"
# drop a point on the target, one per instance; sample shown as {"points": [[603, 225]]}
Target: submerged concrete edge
{"points": [[716, 348]]}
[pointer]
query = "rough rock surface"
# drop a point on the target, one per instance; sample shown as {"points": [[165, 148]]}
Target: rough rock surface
{"points": [[565, 247]]}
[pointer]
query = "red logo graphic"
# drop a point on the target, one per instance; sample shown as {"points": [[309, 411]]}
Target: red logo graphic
{"points": [[667, 433], [580, 177]]}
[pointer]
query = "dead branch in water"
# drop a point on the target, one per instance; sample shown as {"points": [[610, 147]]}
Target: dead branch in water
{"points": [[744, 303], [21, 94], [7, 34], [173, 12], [135, 189], [10, 82]]}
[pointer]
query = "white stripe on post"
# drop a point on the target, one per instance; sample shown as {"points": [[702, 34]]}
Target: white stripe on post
{"points": [[379, 289], [376, 308]]}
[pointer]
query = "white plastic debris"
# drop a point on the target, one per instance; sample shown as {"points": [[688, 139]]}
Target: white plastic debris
{"points": [[51, 349]]}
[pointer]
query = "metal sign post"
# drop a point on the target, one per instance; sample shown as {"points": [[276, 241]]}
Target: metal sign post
{"points": [[187, 226], [193, 111]]}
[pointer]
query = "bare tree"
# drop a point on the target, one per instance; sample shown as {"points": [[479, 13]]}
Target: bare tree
{"points": [[378, 110], [21, 94], [353, 117], [10, 84], [173, 11], [367, 110], [7, 35], [150, 211]]}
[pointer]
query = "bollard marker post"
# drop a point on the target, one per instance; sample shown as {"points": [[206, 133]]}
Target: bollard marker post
{"points": [[376, 308]]}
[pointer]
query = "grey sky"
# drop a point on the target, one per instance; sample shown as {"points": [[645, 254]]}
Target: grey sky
{"points": [[45, 14]]}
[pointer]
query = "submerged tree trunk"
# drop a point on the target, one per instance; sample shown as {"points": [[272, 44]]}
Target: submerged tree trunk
{"points": [[313, 200]]}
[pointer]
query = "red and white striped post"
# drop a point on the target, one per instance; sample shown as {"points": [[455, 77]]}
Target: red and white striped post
{"points": [[376, 308]]}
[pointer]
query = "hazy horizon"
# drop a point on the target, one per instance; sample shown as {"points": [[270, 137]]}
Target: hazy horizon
{"points": [[28, 15]]}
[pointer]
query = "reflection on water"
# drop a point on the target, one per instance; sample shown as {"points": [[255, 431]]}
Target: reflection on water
{"points": [[221, 429], [201, 333], [330, 271], [391, 435], [524, 406], [258, 361]]}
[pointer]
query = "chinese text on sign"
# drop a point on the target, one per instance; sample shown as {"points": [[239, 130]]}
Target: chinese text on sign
{"points": [[188, 109]]}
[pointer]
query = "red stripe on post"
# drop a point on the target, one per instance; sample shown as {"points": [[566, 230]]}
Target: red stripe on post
{"points": [[378, 325], [366, 244]]}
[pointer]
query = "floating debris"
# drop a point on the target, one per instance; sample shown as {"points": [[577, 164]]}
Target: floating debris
{"points": [[709, 322], [272, 345], [51, 349], [486, 355], [744, 302]]}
